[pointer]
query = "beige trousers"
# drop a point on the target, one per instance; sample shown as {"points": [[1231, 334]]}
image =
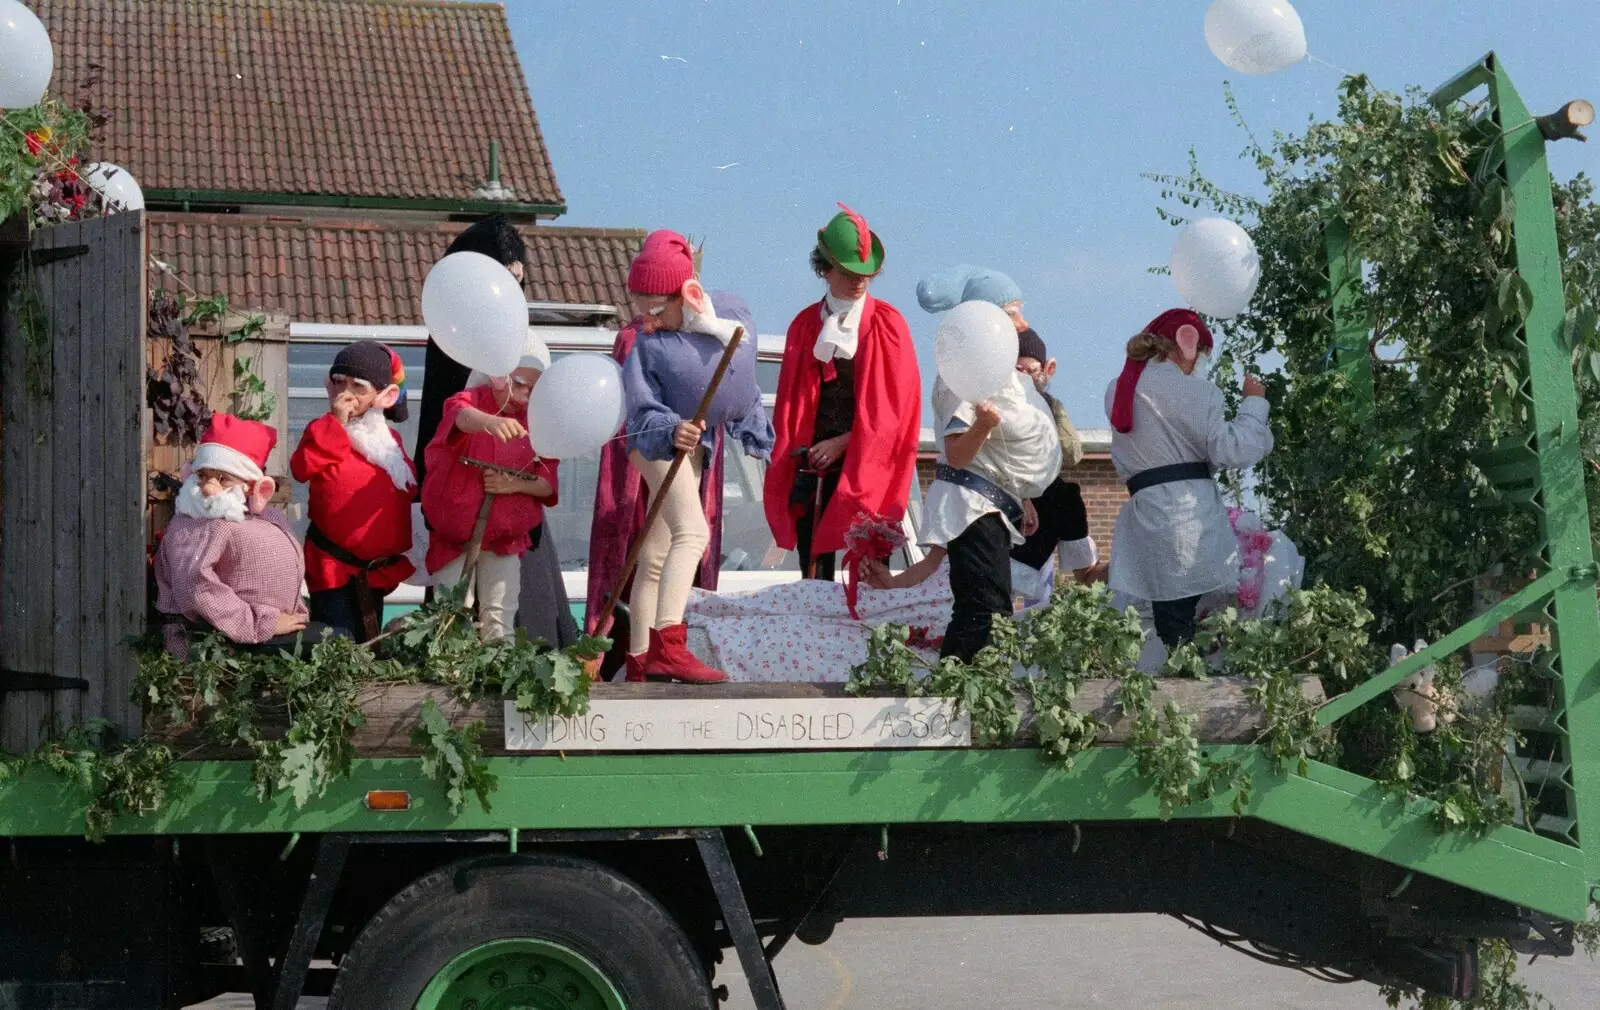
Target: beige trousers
{"points": [[671, 553], [496, 586]]}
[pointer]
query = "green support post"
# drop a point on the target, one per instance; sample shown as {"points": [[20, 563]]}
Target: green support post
{"points": [[1563, 506], [1350, 331]]}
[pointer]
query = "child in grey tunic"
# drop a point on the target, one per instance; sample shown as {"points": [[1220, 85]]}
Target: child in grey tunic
{"points": [[1173, 543]]}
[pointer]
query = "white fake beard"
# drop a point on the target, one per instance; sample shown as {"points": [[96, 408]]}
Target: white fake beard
{"points": [[229, 504], [371, 437]]}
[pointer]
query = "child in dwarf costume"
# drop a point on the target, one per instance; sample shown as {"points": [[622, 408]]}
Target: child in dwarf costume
{"points": [[680, 344], [997, 456], [361, 487], [621, 498], [483, 424], [1063, 526], [228, 563], [1170, 433], [849, 406]]}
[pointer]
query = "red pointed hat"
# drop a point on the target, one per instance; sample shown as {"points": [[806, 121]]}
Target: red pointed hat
{"points": [[664, 263], [1165, 325], [236, 446]]}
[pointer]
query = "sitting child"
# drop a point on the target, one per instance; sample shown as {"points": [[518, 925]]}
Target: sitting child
{"points": [[1173, 541], [361, 487], [227, 562], [997, 455], [480, 425]]}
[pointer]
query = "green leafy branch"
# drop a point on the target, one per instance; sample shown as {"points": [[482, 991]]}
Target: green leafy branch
{"points": [[295, 716]]}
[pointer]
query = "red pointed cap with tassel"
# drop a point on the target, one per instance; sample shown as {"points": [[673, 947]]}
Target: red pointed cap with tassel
{"points": [[1169, 324], [850, 245]]}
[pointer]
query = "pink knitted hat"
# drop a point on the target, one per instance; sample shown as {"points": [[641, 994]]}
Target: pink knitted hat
{"points": [[661, 267]]}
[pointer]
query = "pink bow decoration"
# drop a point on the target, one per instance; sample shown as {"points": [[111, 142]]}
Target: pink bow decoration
{"points": [[870, 536], [1254, 542]]}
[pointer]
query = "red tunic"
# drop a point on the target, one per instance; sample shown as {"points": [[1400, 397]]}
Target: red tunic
{"points": [[881, 461], [354, 501], [452, 491]]}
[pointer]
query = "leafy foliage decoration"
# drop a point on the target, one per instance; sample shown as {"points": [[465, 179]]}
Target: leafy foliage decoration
{"points": [[295, 716]]}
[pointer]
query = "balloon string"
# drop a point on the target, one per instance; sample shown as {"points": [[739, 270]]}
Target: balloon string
{"points": [[1331, 66]]}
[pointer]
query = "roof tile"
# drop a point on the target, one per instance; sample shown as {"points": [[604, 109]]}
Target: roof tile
{"points": [[368, 271], [304, 97]]}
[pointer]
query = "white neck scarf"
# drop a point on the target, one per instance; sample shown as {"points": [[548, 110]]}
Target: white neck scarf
{"points": [[371, 437], [841, 328]]}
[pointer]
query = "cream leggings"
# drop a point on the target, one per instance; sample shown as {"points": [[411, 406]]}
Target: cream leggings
{"points": [[497, 585], [671, 553]]}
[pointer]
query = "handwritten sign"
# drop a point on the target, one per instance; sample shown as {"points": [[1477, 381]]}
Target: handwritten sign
{"points": [[658, 724]]}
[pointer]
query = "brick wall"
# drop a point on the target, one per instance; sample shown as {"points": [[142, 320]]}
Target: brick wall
{"points": [[1103, 493]]}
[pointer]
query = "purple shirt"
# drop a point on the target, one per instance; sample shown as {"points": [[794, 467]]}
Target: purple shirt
{"points": [[667, 373]]}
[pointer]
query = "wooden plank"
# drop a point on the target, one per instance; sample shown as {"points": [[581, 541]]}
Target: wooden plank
{"points": [[74, 287], [684, 724], [14, 492], [123, 526], [28, 585], [1225, 713]]}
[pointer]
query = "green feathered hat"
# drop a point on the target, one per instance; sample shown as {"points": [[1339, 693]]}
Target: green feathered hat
{"points": [[850, 245]]}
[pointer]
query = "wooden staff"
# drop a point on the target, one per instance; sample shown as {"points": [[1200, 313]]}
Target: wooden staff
{"points": [[603, 625], [474, 548]]}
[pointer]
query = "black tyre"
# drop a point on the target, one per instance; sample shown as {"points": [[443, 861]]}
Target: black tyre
{"points": [[549, 932]]}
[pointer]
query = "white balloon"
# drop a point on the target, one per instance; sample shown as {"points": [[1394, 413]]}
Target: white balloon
{"points": [[26, 57], [577, 407], [475, 312], [115, 185], [1255, 36], [975, 350], [1215, 267]]}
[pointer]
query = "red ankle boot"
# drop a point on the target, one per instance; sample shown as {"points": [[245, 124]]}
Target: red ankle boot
{"points": [[635, 667], [670, 659]]}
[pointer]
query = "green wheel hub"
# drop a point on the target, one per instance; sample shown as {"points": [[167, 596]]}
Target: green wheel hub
{"points": [[520, 974]]}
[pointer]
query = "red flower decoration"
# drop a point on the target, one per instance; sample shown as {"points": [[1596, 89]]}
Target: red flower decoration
{"points": [[35, 144], [924, 638], [870, 536]]}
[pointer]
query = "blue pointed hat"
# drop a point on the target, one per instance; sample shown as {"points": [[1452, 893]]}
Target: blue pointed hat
{"points": [[945, 289]]}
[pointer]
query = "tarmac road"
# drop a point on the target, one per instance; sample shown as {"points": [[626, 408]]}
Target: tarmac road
{"points": [[1079, 963]]}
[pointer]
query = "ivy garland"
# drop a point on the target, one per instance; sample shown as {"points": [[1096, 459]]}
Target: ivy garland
{"points": [[295, 716]]}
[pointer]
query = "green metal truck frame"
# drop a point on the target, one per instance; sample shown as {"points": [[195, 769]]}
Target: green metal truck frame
{"points": [[706, 798]]}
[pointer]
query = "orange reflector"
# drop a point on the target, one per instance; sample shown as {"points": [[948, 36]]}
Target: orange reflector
{"points": [[388, 799]]}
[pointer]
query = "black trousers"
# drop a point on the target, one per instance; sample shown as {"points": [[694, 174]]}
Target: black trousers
{"points": [[820, 567], [340, 608], [980, 581], [1174, 620]]}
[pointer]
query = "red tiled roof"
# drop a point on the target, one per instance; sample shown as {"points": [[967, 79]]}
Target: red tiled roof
{"points": [[354, 98], [367, 272]]}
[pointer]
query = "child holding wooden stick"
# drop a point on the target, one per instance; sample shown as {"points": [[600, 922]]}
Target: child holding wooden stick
{"points": [[483, 449], [680, 346]]}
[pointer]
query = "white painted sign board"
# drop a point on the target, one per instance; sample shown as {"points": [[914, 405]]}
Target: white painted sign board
{"points": [[660, 724]]}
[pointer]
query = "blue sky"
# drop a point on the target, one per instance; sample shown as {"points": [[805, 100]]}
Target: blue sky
{"points": [[1006, 134]]}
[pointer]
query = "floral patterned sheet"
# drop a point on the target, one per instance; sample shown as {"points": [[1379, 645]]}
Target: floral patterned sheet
{"points": [[802, 631]]}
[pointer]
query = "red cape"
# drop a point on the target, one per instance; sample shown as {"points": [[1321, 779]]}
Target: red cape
{"points": [[620, 503], [881, 462]]}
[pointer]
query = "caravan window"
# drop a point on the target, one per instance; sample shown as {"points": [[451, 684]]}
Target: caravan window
{"points": [[746, 542]]}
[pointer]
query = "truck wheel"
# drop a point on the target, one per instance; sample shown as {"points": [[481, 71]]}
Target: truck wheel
{"points": [[540, 933]]}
